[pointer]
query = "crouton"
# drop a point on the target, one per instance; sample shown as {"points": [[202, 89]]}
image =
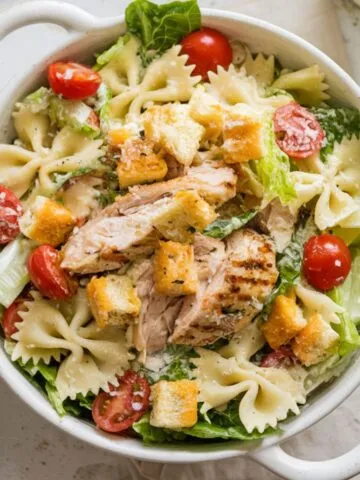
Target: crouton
{"points": [[284, 322], [47, 221], [171, 127], [175, 270], [113, 300], [174, 404], [242, 138], [139, 163], [205, 110], [118, 136], [185, 215], [315, 341]]}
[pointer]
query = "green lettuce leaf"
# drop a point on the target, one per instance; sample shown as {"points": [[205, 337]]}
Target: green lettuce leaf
{"points": [[175, 361], [338, 123], [289, 262], [43, 377], [74, 114], [102, 105], [105, 57], [219, 425], [273, 170], [13, 271], [221, 228], [39, 100], [159, 27]]}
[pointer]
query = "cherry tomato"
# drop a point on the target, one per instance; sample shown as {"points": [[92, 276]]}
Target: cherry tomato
{"points": [[117, 410], [278, 357], [298, 133], [47, 275], [73, 80], [93, 119], [10, 211], [207, 48], [327, 261], [11, 317]]}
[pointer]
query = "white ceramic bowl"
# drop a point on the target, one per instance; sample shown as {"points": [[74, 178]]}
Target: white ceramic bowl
{"points": [[87, 35]]}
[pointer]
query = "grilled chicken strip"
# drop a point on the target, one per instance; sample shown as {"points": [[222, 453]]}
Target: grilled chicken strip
{"points": [[159, 312], [229, 300], [123, 231]]}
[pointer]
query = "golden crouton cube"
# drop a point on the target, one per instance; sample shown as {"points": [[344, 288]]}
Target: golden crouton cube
{"points": [[139, 163], [175, 270], [185, 214], [242, 138], [118, 136], [205, 110], [284, 322], [113, 300], [174, 404], [47, 221], [171, 128], [315, 341]]}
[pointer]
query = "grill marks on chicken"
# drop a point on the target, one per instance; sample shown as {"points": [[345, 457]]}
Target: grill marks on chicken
{"points": [[229, 300]]}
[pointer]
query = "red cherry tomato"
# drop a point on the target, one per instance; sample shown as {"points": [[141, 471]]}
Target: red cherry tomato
{"points": [[327, 261], [278, 357], [47, 275], [11, 317], [207, 48], [298, 133], [117, 410], [73, 80], [10, 211]]}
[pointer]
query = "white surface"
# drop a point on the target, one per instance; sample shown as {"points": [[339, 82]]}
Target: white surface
{"points": [[24, 450]]}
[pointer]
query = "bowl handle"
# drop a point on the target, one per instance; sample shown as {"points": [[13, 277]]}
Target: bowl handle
{"points": [[72, 18], [291, 468]]}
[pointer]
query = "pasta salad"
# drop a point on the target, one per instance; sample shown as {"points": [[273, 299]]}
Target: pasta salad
{"points": [[180, 231]]}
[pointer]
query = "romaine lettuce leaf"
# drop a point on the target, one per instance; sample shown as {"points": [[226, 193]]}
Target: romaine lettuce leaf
{"points": [[219, 425], [43, 377], [175, 364], [74, 114], [221, 228], [105, 57], [347, 295], [273, 170], [39, 100], [13, 271], [102, 105], [159, 27], [338, 123]]}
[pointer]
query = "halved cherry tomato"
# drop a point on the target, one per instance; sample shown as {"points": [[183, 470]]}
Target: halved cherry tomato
{"points": [[47, 275], [207, 49], [73, 80], [11, 317], [117, 410], [278, 357], [10, 211], [327, 261], [298, 133]]}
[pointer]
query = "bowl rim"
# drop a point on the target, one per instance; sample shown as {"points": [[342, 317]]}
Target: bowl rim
{"points": [[204, 452]]}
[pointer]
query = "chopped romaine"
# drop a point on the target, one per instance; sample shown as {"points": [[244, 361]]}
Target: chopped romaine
{"points": [[13, 271], [105, 57], [223, 227], [159, 27]]}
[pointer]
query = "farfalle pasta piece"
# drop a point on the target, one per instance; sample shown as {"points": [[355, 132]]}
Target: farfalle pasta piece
{"points": [[268, 395], [95, 356], [124, 69], [260, 67], [244, 344], [317, 302], [32, 129], [231, 87], [307, 85], [18, 168], [82, 196], [307, 186], [167, 79]]}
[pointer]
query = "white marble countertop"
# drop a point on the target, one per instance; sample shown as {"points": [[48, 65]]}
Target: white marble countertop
{"points": [[31, 448]]}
